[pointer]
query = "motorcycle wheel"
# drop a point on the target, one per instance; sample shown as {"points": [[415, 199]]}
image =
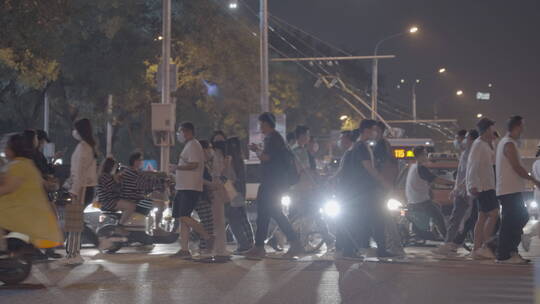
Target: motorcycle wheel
{"points": [[14, 270], [108, 231], [313, 242]]}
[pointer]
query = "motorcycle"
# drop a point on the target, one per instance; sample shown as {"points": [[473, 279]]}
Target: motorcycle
{"points": [[146, 227], [16, 262], [312, 226]]}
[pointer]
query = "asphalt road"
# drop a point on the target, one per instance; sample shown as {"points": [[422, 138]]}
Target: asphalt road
{"points": [[142, 276]]}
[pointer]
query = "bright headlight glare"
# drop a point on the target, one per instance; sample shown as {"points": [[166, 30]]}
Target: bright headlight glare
{"points": [[286, 200], [393, 204], [332, 208], [533, 204]]}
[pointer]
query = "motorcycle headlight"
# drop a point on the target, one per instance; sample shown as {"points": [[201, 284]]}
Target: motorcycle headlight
{"points": [[331, 208], [91, 209], [393, 204], [286, 200], [533, 205]]}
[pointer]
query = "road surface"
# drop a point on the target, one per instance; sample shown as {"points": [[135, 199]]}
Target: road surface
{"points": [[139, 276]]}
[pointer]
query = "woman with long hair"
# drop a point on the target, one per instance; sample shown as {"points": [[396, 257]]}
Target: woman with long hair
{"points": [[236, 210], [218, 170], [83, 182]]}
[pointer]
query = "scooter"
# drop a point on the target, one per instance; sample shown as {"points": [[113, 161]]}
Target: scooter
{"points": [[146, 227], [16, 262]]}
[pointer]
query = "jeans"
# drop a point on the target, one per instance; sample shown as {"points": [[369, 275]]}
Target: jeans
{"points": [[373, 222], [240, 226], [514, 216], [429, 208], [468, 226], [461, 205], [269, 206]]}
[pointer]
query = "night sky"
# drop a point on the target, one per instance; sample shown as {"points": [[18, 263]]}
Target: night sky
{"points": [[478, 41]]}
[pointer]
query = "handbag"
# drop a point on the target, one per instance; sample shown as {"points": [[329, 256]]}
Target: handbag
{"points": [[231, 190]]}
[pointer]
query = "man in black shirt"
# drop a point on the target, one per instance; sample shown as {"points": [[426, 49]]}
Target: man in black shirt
{"points": [[274, 164], [363, 217]]}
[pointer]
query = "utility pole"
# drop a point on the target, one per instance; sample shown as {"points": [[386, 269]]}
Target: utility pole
{"points": [[166, 83], [46, 113], [414, 100], [265, 92], [109, 124]]}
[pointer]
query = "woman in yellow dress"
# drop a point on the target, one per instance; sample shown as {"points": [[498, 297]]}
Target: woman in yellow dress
{"points": [[24, 207]]}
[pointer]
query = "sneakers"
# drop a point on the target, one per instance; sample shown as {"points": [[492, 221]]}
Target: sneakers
{"points": [[446, 249], [515, 259], [295, 249], [256, 252], [182, 254], [74, 261]]}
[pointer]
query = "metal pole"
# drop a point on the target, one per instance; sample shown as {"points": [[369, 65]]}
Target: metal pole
{"points": [[166, 89], [109, 125], [265, 107], [374, 86], [414, 101], [46, 113]]}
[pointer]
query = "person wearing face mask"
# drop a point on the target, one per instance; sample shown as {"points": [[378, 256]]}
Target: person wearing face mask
{"points": [[189, 188], [83, 182], [462, 203], [204, 206], [219, 170], [481, 185], [23, 204], [458, 141], [236, 211]]}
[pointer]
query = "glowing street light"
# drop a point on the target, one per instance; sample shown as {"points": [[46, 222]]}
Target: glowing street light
{"points": [[233, 5], [459, 93], [402, 81], [442, 70], [344, 117], [490, 85], [479, 115], [375, 69]]}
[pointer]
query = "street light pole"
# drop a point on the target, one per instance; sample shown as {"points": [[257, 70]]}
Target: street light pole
{"points": [[265, 92], [375, 71], [414, 100], [166, 83]]}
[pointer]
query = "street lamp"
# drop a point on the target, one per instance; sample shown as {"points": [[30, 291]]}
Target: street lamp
{"points": [[344, 117], [479, 115], [233, 4], [441, 71], [459, 92], [375, 71]]}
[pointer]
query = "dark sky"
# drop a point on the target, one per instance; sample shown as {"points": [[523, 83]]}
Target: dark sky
{"points": [[478, 41]]}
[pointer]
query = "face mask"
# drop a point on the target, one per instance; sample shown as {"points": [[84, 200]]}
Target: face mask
{"points": [[180, 137], [219, 145], [76, 135], [457, 145]]}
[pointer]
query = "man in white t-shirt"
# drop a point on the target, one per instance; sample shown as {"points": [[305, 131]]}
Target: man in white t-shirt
{"points": [[511, 177], [189, 187]]}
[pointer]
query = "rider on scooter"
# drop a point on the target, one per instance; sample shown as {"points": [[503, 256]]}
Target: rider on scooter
{"points": [[22, 197], [135, 186], [108, 192]]}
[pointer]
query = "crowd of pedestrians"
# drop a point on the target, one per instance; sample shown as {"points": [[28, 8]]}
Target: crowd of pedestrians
{"points": [[210, 179]]}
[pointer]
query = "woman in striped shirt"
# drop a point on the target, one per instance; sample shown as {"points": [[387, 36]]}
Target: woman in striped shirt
{"points": [[108, 191]]}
